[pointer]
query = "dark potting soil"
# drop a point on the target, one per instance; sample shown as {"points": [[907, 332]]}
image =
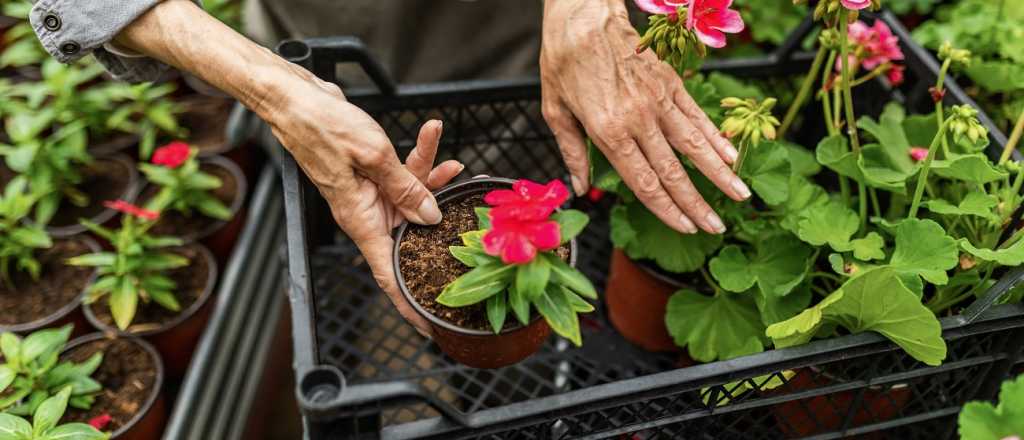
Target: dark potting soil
{"points": [[191, 282], [178, 224], [128, 375], [205, 118], [428, 266], [28, 300], [102, 181]]}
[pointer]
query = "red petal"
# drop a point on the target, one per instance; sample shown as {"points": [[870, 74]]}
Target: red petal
{"points": [[517, 249], [502, 197], [546, 235]]}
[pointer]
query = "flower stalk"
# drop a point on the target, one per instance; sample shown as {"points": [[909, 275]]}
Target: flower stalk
{"points": [[1011, 144], [922, 178], [805, 90]]}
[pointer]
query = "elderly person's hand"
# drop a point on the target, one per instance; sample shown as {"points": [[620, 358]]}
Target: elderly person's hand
{"points": [[342, 149], [636, 111]]}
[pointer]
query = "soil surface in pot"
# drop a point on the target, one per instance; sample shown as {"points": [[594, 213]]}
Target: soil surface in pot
{"points": [[191, 282], [428, 266], [59, 284], [128, 374], [102, 181], [178, 224]]}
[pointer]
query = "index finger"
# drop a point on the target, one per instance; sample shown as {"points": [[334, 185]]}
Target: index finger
{"points": [[699, 119]]}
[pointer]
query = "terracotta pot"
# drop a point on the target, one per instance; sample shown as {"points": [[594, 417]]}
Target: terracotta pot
{"points": [[148, 422], [107, 216], [220, 237], [176, 340], [826, 413], [69, 313], [636, 297], [477, 348]]}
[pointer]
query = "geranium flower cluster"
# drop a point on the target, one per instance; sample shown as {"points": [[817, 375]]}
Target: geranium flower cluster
{"points": [[520, 220], [710, 20], [876, 48]]}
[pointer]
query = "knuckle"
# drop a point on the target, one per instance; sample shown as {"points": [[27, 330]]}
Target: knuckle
{"points": [[409, 193], [647, 182], [372, 156], [672, 172]]}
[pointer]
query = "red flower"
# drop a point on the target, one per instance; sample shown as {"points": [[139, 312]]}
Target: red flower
{"points": [[517, 241], [172, 155], [128, 208], [895, 74], [595, 194], [101, 421], [527, 201]]}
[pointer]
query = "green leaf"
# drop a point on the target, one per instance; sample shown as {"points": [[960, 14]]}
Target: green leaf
{"points": [[886, 163], [31, 237], [50, 411], [923, 248], [477, 285], [799, 329], [520, 304], [871, 247], [473, 239], [76, 431], [532, 277], [643, 236], [564, 275], [496, 312], [725, 326], [777, 309], [124, 301], [7, 375], [159, 262], [14, 428], [834, 153], [483, 217], [832, 223], [571, 222], [803, 196], [982, 421], [802, 160], [780, 265], [557, 311], [976, 204], [768, 170], [1011, 256], [577, 302], [469, 256], [94, 260], [10, 345], [212, 207], [43, 342], [972, 168], [165, 299]]}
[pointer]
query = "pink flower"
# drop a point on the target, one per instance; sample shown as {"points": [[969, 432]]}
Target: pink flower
{"points": [[877, 45], [517, 241], [856, 5], [527, 201], [664, 7], [895, 74], [172, 155], [101, 421], [918, 154], [712, 19], [130, 209]]}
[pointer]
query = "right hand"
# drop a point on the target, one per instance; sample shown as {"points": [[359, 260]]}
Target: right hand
{"points": [[349, 158]]}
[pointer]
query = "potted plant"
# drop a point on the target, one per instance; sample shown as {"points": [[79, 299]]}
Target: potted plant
{"points": [[45, 422], [31, 372], [132, 405], [984, 421], [144, 110], [36, 288], [173, 281], [55, 161], [198, 200], [19, 47], [517, 253]]}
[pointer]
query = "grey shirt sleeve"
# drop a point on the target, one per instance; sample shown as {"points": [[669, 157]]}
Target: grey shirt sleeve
{"points": [[71, 29]]}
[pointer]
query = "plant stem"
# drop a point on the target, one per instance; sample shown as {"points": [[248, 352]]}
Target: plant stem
{"points": [[1018, 131], [851, 122], [801, 96], [874, 202], [922, 178], [939, 109], [826, 100], [711, 282], [826, 275], [844, 189], [744, 151], [871, 75]]}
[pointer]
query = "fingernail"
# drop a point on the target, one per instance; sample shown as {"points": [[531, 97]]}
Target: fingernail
{"points": [[440, 125], [688, 225], [461, 168], [577, 185], [429, 212], [715, 223], [741, 188], [732, 153]]}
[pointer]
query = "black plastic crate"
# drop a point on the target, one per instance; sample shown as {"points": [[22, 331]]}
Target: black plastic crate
{"points": [[363, 372]]}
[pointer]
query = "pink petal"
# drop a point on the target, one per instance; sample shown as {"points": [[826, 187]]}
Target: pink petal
{"points": [[493, 241], [546, 235], [728, 21], [517, 250], [501, 197], [710, 37], [658, 6], [555, 193], [521, 212]]}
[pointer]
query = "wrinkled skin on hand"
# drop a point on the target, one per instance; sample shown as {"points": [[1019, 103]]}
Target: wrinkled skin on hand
{"points": [[635, 109]]}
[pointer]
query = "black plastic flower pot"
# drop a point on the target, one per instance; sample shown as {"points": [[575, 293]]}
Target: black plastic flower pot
{"points": [[474, 347], [380, 378]]}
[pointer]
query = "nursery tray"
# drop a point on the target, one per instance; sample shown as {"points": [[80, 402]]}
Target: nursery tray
{"points": [[362, 372]]}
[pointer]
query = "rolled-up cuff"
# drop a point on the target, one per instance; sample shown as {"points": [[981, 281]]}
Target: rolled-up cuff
{"points": [[70, 29]]}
